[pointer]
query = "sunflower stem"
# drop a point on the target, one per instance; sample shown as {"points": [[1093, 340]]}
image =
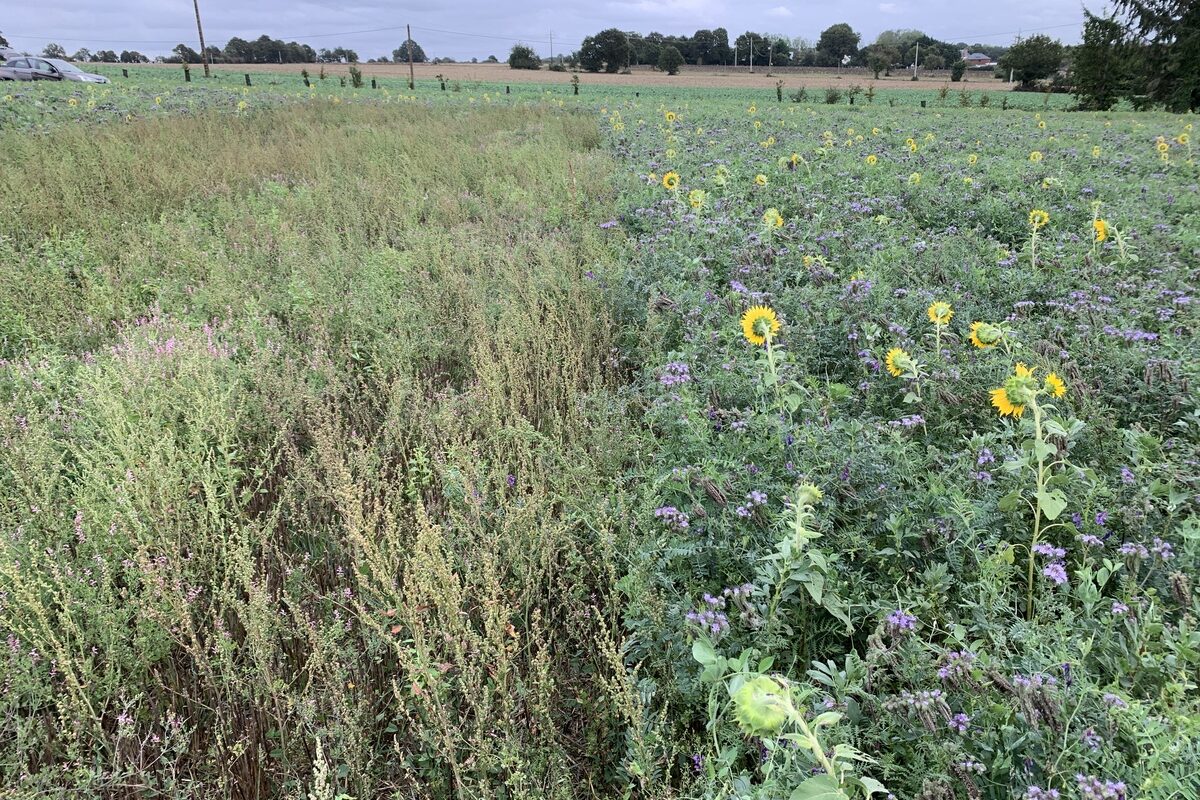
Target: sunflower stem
{"points": [[1040, 480]]}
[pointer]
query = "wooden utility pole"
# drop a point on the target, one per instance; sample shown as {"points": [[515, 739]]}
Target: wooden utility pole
{"points": [[916, 60], [408, 29], [752, 54], [200, 30], [551, 48]]}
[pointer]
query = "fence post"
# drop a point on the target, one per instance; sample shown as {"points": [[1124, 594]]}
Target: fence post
{"points": [[373, 86], [124, 73], [247, 78]]}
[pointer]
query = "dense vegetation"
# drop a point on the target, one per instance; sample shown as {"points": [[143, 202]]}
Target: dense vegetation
{"points": [[671, 444]]}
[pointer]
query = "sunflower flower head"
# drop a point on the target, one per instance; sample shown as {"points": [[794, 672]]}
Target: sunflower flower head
{"points": [[1035, 156], [1100, 228], [696, 198], [758, 323], [898, 362], [872, 160], [914, 179], [721, 176], [1038, 219], [773, 219], [1018, 391], [669, 116], [760, 179], [984, 335], [670, 181], [939, 312], [1054, 385]]}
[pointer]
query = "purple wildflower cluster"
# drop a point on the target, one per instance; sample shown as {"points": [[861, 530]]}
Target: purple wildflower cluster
{"points": [[922, 700], [674, 519], [956, 665], [710, 619], [1037, 680], [754, 499], [674, 374], [1159, 548], [1038, 793], [1092, 788], [900, 622], [908, 421], [1056, 569], [959, 723]]}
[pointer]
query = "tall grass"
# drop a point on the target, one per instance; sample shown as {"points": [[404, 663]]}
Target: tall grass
{"points": [[308, 484]]}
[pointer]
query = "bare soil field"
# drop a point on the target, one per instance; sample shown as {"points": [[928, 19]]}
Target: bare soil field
{"points": [[701, 77]]}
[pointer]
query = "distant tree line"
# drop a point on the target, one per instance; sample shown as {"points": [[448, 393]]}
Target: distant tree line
{"points": [[612, 50]]}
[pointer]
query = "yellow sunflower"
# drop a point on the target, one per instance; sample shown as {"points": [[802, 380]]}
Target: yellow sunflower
{"points": [[984, 335], [1100, 227], [972, 159], [872, 160], [897, 362], [671, 180], [669, 116], [760, 179], [1004, 405], [773, 219], [1055, 385], [939, 312], [1038, 218], [1096, 151], [1035, 156], [696, 198], [759, 322], [1183, 138], [914, 179], [1163, 147]]}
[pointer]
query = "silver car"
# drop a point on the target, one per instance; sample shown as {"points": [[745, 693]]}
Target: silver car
{"points": [[31, 68]]}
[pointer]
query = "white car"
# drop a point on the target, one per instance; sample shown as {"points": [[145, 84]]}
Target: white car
{"points": [[31, 68]]}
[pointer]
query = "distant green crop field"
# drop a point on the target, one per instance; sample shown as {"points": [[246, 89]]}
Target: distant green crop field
{"points": [[500, 442]]}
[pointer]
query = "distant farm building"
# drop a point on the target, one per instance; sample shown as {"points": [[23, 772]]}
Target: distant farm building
{"points": [[976, 59]]}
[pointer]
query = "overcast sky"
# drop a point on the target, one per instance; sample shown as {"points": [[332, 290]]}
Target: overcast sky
{"points": [[482, 27]]}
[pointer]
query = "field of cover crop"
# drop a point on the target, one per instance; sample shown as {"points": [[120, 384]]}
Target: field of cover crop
{"points": [[647, 443]]}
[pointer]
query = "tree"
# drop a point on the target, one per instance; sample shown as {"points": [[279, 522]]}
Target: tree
{"points": [[1033, 59], [54, 51], [105, 56], [957, 69], [878, 59], [3, 41], [721, 52], [183, 54], [838, 41], [934, 61], [608, 50], [134, 57], [1100, 68], [523, 57], [82, 54], [750, 46], [400, 54], [670, 60], [492, 60], [1162, 44]]}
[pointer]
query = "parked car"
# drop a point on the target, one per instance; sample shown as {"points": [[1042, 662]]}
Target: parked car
{"points": [[31, 68]]}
